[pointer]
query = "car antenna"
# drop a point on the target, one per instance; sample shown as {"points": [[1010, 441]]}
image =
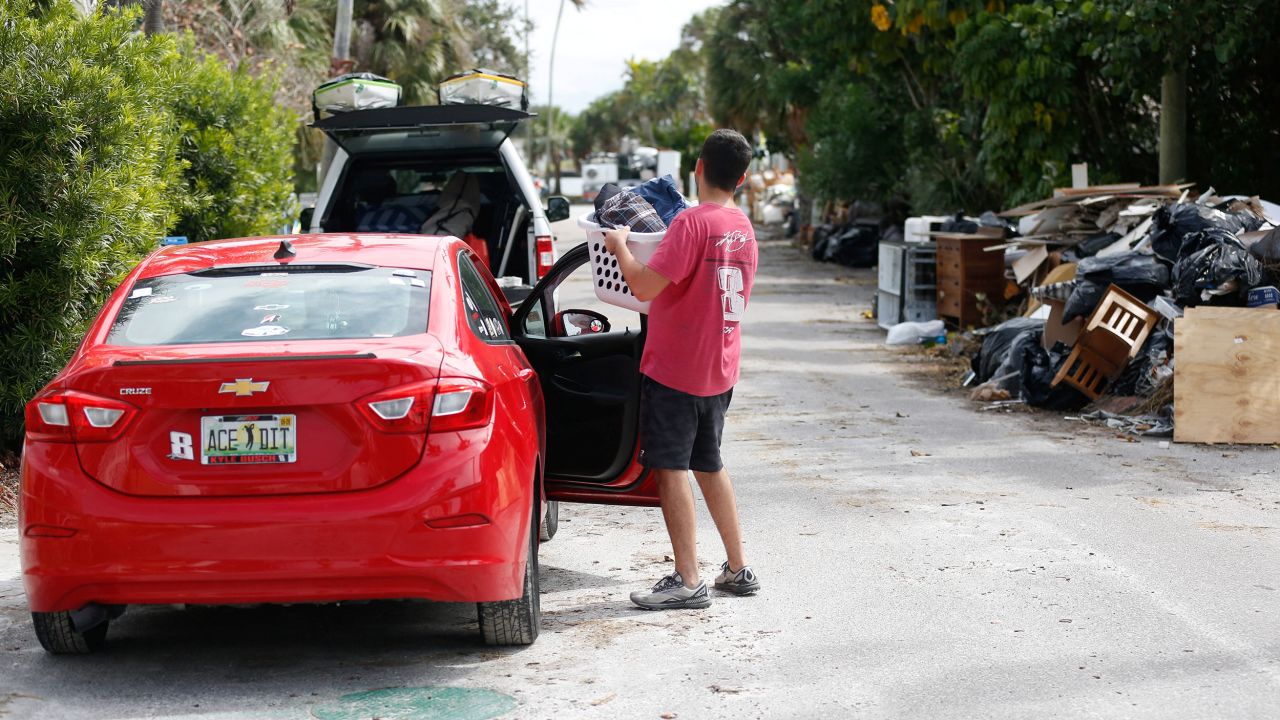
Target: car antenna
{"points": [[285, 252]]}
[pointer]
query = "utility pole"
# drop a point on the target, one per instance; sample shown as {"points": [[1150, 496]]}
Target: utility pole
{"points": [[342, 38], [1173, 127], [551, 74], [338, 64]]}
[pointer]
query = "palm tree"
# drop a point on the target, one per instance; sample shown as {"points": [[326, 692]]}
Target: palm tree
{"points": [[551, 72]]}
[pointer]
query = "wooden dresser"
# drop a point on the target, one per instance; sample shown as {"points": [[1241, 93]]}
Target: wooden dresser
{"points": [[965, 270]]}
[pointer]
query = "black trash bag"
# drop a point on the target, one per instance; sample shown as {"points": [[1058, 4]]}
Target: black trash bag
{"points": [[856, 246], [1139, 274], [958, 224], [990, 219], [996, 342], [821, 234], [1172, 223], [1267, 249], [1038, 368], [1090, 246], [1221, 273], [1009, 375], [1139, 376]]}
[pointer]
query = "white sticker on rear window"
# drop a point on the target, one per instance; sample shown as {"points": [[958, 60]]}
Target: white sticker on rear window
{"points": [[264, 331], [140, 292]]}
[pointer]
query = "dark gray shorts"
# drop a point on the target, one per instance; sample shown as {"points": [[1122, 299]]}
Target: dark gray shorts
{"points": [[679, 431]]}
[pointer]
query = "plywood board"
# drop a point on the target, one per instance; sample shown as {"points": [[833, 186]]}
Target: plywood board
{"points": [[1026, 266], [1226, 379]]}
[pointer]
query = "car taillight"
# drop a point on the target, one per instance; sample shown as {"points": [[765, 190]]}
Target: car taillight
{"points": [[72, 416], [435, 405], [404, 409], [461, 403], [546, 254]]}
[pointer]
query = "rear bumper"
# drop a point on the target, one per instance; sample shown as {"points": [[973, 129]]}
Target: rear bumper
{"points": [[372, 544]]}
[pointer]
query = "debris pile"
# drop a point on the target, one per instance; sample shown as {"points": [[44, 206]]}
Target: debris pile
{"points": [[1103, 283]]}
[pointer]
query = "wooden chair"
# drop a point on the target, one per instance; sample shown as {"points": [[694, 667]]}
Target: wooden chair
{"points": [[1114, 333]]}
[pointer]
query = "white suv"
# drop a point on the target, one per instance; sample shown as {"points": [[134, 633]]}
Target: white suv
{"points": [[393, 163]]}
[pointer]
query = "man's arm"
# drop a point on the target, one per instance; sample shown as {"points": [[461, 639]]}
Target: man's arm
{"points": [[645, 283]]}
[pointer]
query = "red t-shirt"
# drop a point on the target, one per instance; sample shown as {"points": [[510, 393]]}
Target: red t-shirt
{"points": [[709, 255]]}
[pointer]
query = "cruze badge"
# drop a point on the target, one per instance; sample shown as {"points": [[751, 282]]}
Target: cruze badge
{"points": [[243, 387]]}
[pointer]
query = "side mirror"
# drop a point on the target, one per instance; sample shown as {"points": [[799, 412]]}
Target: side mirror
{"points": [[304, 219], [557, 208], [580, 322]]}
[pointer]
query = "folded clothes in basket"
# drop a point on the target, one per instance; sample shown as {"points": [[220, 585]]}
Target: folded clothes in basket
{"points": [[662, 194], [628, 208]]}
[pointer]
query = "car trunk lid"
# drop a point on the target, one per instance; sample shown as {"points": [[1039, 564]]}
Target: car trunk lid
{"points": [[257, 422], [434, 128]]}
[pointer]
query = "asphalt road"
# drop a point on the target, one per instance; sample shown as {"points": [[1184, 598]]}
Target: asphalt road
{"points": [[920, 559]]}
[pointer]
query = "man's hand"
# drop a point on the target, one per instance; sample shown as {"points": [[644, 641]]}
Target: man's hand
{"points": [[615, 239], [645, 284]]}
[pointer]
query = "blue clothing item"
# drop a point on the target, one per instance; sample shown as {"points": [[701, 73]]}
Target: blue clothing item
{"points": [[662, 194]]}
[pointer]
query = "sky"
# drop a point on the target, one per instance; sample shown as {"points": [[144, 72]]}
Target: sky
{"points": [[596, 42]]}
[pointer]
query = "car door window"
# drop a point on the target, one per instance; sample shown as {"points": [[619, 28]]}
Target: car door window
{"points": [[484, 315], [575, 290]]}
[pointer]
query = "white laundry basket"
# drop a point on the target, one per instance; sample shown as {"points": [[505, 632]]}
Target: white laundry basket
{"points": [[610, 287]]}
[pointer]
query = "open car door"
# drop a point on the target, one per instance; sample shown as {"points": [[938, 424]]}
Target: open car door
{"points": [[590, 376]]}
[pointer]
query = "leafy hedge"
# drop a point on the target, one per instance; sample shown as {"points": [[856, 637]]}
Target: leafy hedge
{"points": [[237, 145], [110, 140]]}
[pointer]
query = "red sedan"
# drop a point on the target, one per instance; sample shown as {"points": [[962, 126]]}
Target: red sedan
{"points": [[315, 419]]}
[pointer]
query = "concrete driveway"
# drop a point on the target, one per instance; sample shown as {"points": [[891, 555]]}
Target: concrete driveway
{"points": [[920, 559]]}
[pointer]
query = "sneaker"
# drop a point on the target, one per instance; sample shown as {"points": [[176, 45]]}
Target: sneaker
{"points": [[671, 594], [742, 582]]}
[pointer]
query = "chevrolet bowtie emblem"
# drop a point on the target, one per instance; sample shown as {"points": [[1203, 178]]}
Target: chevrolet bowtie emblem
{"points": [[243, 387]]}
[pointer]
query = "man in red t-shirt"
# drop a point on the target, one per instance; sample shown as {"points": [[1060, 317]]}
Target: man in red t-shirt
{"points": [[699, 280]]}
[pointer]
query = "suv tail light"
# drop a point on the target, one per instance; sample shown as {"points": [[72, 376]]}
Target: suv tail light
{"points": [[72, 416], [438, 405], [546, 253]]}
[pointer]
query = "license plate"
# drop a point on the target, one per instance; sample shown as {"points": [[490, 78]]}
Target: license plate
{"points": [[248, 439]]}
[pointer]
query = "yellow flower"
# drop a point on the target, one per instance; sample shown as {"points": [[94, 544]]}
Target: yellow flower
{"points": [[880, 18]]}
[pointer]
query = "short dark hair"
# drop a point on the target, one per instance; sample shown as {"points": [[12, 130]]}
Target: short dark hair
{"points": [[725, 157]]}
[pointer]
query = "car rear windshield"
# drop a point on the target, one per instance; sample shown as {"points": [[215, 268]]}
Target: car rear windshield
{"points": [[316, 302]]}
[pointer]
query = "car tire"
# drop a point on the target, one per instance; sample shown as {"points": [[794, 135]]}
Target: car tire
{"points": [[550, 523], [516, 622], [58, 635]]}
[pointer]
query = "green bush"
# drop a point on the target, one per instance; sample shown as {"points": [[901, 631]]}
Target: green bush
{"points": [[110, 140], [86, 171], [237, 145]]}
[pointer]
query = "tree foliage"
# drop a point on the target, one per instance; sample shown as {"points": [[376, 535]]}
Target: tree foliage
{"points": [[87, 173], [662, 103], [970, 104], [110, 140], [235, 143]]}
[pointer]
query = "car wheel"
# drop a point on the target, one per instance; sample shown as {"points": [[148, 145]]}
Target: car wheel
{"points": [[516, 622], [550, 523], [58, 635]]}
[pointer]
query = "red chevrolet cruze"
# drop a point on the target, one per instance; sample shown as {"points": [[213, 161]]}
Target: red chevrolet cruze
{"points": [[316, 419]]}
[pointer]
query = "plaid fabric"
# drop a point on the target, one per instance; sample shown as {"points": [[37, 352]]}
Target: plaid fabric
{"points": [[628, 208]]}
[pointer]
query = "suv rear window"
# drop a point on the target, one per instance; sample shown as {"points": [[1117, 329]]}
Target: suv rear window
{"points": [[313, 302]]}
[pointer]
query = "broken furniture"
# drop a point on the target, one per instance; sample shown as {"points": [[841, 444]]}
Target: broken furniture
{"points": [[966, 271], [1115, 333], [1227, 378], [907, 290]]}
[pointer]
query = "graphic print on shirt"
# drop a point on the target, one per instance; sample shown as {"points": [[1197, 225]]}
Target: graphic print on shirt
{"points": [[733, 241], [731, 299]]}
